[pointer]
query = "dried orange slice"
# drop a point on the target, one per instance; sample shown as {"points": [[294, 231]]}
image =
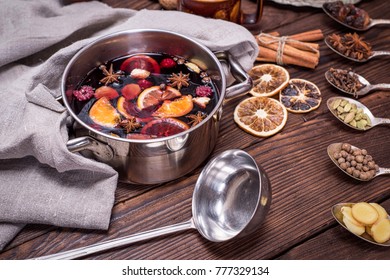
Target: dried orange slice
{"points": [[176, 108], [268, 79], [155, 94], [103, 113], [300, 96], [260, 116]]}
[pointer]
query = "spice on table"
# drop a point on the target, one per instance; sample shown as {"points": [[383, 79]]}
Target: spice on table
{"points": [[351, 45], [356, 162], [350, 114], [297, 49], [345, 80], [348, 14]]}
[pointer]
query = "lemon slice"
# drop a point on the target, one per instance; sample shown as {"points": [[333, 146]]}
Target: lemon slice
{"points": [[268, 79], [260, 116], [300, 96]]}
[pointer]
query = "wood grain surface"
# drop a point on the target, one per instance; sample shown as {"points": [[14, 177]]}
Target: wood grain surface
{"points": [[305, 183]]}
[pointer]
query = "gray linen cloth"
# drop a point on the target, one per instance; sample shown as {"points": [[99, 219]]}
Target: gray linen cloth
{"points": [[40, 180]]}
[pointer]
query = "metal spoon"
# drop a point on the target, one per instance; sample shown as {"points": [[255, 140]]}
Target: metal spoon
{"points": [[336, 212], [374, 120], [373, 53], [231, 198], [336, 147], [366, 86], [372, 23]]}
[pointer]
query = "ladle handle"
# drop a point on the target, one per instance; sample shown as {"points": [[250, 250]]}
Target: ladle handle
{"points": [[114, 243]]}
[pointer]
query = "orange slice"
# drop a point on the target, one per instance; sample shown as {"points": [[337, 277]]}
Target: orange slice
{"points": [[154, 95], [300, 96], [103, 113], [260, 116], [268, 79], [176, 108], [164, 127], [120, 105]]}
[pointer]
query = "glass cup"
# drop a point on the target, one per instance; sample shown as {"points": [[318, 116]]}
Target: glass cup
{"points": [[230, 10]]}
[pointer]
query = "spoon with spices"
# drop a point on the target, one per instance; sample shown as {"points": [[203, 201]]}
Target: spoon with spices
{"points": [[355, 162], [338, 212], [357, 55], [352, 83], [361, 21], [354, 114]]}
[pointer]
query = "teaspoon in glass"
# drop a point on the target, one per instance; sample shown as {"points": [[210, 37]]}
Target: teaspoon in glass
{"points": [[367, 87], [231, 198], [336, 147], [372, 22], [338, 216], [373, 53], [373, 120]]}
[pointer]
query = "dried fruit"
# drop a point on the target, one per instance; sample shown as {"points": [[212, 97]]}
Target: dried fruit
{"points": [[106, 91], [300, 96], [201, 101], [103, 113], [84, 93], [164, 127], [139, 73], [131, 91], [203, 91], [268, 79], [154, 95], [260, 116], [144, 84], [167, 63], [175, 108]]}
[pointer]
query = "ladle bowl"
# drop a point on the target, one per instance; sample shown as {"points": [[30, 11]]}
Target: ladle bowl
{"points": [[373, 53], [336, 147], [366, 88], [372, 23], [231, 199], [373, 120], [338, 216]]}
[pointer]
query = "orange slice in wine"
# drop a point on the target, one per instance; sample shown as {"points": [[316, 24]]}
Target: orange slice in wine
{"points": [[175, 108], [164, 127], [103, 113], [154, 95]]}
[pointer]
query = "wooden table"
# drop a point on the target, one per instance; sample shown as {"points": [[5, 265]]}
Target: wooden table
{"points": [[305, 182]]}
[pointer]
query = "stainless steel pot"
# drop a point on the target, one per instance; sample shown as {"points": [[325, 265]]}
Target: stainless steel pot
{"points": [[158, 160]]}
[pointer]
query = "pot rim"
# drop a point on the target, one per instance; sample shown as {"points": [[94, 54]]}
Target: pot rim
{"points": [[130, 31]]}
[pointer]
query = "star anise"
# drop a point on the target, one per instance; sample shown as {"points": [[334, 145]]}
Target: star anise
{"points": [[110, 76], [179, 80], [196, 119], [130, 124]]}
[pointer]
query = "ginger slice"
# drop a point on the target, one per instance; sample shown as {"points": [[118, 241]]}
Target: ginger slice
{"points": [[350, 222], [364, 213], [381, 211], [380, 231]]}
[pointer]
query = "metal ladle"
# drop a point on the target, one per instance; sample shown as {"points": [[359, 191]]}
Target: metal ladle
{"points": [[372, 22], [373, 120], [366, 86], [231, 198], [338, 216], [373, 53], [336, 147]]}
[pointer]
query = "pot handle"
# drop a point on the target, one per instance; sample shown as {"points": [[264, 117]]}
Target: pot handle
{"points": [[245, 82], [101, 150]]}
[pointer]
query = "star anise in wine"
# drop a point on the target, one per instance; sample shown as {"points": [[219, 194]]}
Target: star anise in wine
{"points": [[110, 76], [179, 80], [130, 124], [196, 118]]}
